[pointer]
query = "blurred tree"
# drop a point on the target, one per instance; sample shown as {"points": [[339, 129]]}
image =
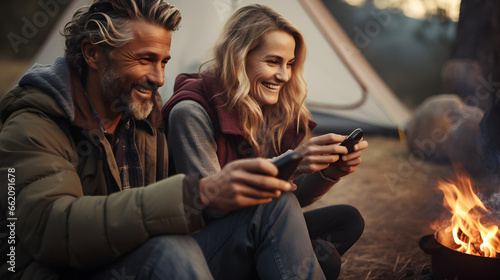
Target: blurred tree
{"points": [[421, 9], [473, 69], [490, 129], [496, 40]]}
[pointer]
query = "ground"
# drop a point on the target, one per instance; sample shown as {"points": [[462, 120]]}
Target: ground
{"points": [[396, 193]]}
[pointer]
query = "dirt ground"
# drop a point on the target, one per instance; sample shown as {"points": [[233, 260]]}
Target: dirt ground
{"points": [[396, 193]]}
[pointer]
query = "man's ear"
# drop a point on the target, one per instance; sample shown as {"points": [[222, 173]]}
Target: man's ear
{"points": [[91, 53]]}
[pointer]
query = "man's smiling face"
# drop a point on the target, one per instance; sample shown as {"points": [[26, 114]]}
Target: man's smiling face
{"points": [[135, 71]]}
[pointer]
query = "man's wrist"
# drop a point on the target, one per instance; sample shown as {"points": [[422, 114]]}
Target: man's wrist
{"points": [[193, 204], [203, 187]]}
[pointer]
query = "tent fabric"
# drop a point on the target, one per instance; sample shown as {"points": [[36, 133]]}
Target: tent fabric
{"points": [[344, 92]]}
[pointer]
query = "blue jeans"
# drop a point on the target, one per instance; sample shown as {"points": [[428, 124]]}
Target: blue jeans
{"points": [[269, 241], [161, 257]]}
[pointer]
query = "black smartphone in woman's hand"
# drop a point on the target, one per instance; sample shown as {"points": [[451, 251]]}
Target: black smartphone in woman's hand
{"points": [[352, 139]]}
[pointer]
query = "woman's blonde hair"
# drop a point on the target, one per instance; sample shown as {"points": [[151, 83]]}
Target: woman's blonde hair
{"points": [[264, 127]]}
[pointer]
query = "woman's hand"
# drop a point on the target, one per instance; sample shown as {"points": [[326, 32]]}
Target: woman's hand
{"points": [[323, 153], [319, 152], [347, 164]]}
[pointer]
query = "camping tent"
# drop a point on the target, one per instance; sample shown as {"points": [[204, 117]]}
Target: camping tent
{"points": [[344, 92]]}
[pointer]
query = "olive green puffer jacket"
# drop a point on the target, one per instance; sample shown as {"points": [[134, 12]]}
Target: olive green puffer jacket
{"points": [[63, 211]]}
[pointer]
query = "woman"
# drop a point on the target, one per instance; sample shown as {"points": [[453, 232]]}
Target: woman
{"points": [[250, 102]]}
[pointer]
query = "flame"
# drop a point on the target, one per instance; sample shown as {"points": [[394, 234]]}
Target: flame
{"points": [[470, 229]]}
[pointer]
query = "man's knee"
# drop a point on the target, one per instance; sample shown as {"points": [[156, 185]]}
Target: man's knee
{"points": [[286, 209], [287, 201], [177, 255], [175, 247]]}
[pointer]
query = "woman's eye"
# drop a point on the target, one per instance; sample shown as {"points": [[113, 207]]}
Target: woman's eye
{"points": [[272, 62]]}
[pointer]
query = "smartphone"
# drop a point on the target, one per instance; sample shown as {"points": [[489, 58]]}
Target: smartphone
{"points": [[352, 139], [287, 164]]}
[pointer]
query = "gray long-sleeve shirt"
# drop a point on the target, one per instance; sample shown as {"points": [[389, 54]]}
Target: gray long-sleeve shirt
{"points": [[191, 140]]}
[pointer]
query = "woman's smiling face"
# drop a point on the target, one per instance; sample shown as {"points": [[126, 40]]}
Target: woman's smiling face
{"points": [[269, 66]]}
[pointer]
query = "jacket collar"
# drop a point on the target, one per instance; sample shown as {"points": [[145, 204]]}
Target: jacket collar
{"points": [[213, 92]]}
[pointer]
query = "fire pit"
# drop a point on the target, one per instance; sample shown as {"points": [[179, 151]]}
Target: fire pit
{"points": [[466, 243], [453, 265]]}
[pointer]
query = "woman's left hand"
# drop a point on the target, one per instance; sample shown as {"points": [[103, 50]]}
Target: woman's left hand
{"points": [[319, 152], [347, 163], [323, 153]]}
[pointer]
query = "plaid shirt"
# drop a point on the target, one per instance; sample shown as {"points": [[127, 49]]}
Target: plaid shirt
{"points": [[124, 149], [126, 154]]}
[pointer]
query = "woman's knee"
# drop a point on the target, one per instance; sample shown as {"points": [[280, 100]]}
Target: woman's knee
{"points": [[356, 219]]}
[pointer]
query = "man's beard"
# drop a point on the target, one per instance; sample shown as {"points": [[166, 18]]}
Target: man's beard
{"points": [[120, 96]]}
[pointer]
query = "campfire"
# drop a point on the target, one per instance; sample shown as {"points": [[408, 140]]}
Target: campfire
{"points": [[473, 228], [466, 243]]}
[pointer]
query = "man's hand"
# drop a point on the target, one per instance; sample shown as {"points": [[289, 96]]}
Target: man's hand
{"points": [[242, 183]]}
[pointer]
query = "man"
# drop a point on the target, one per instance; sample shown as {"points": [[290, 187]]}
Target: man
{"points": [[84, 161]]}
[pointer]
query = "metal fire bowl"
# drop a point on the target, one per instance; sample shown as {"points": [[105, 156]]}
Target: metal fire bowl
{"points": [[448, 264]]}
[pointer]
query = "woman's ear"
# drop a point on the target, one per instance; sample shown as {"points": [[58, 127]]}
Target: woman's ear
{"points": [[91, 53]]}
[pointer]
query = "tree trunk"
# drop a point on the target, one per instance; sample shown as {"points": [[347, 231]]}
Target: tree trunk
{"points": [[472, 71]]}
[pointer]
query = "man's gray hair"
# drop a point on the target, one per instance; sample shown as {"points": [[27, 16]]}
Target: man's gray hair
{"points": [[106, 23]]}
